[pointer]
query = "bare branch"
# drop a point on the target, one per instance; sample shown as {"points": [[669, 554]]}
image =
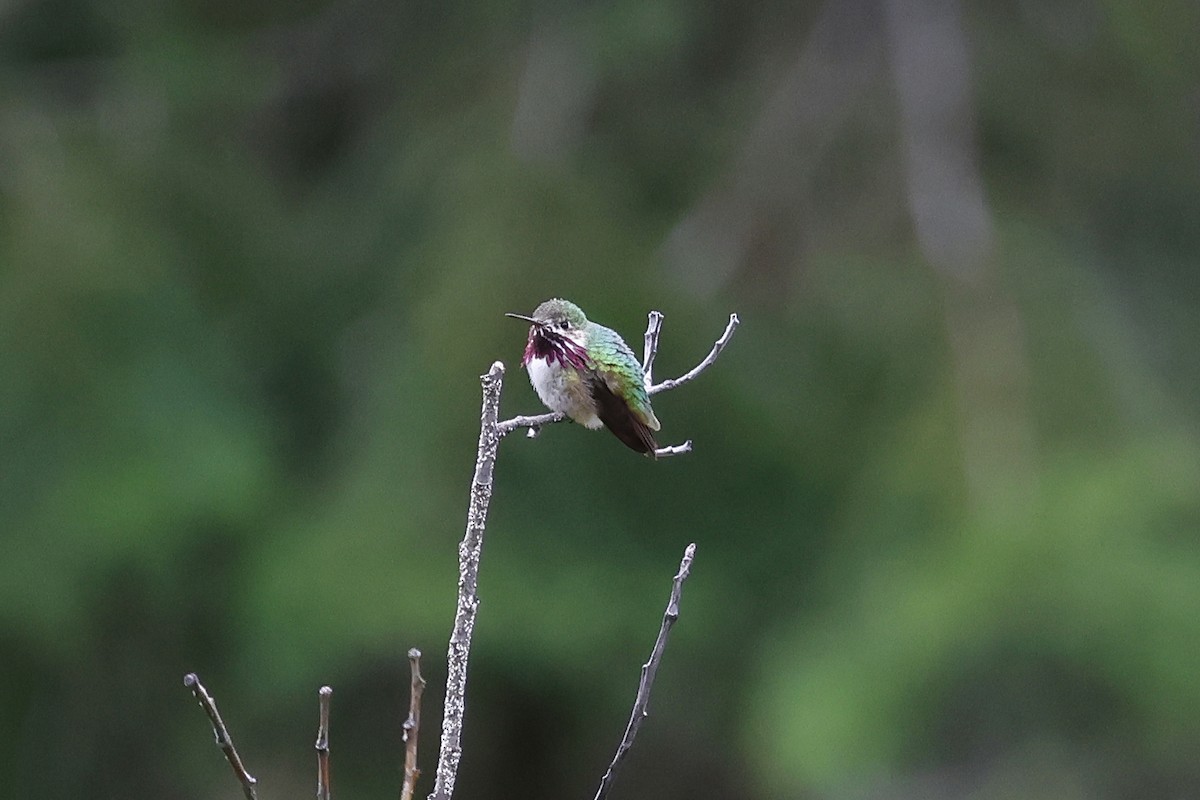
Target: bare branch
{"points": [[674, 450], [412, 725], [649, 671], [469, 551], [192, 681], [322, 746], [695, 371], [650, 348], [534, 423]]}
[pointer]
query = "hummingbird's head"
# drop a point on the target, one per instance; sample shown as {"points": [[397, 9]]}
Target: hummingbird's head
{"points": [[560, 315], [557, 332]]}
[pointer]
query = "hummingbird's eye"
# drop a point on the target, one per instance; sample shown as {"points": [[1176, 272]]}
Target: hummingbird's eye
{"points": [[564, 324]]}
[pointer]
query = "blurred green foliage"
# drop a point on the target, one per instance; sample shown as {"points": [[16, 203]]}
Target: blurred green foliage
{"points": [[253, 257]]}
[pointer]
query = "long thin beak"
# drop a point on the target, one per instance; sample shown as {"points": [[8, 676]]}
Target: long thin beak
{"points": [[530, 320]]}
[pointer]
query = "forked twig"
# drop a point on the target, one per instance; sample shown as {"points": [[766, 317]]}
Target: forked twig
{"points": [[192, 682], [650, 345], [695, 371], [324, 787], [412, 725], [649, 670]]}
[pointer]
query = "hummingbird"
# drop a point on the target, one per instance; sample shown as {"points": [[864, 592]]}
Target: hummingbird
{"points": [[587, 372]]}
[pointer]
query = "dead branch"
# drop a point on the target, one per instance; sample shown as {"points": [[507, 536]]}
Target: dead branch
{"points": [[695, 371], [650, 346], [649, 671], [469, 551], [322, 746], [224, 741], [412, 725]]}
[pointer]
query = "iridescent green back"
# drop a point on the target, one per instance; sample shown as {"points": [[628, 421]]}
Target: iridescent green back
{"points": [[621, 370]]}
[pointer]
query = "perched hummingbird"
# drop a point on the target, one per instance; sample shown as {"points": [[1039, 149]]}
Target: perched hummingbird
{"points": [[587, 372]]}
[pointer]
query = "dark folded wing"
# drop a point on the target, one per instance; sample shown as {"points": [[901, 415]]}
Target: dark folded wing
{"points": [[618, 418]]}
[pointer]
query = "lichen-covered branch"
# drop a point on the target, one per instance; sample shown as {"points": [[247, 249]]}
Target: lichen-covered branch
{"points": [[649, 671], [469, 551], [224, 741]]}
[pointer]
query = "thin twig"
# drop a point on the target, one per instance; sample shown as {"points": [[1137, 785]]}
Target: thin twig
{"points": [[206, 701], [469, 551], [650, 348], [674, 450], [412, 725], [649, 670], [324, 787], [533, 422], [695, 371]]}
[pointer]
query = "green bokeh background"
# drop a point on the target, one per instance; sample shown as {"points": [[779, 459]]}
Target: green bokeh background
{"points": [[946, 485]]}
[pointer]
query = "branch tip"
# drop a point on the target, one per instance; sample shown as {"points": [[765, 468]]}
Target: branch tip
{"points": [[412, 725], [650, 346], [221, 734], [649, 671], [674, 450], [324, 787], [705, 363], [470, 550]]}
